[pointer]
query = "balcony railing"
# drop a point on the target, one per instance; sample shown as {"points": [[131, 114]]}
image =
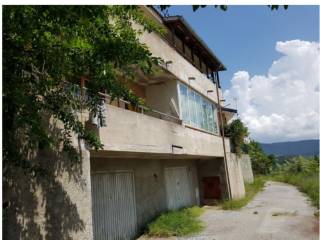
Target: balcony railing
{"points": [[139, 109]]}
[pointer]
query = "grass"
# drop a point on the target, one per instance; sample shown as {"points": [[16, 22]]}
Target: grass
{"points": [[186, 221], [177, 223], [251, 190], [307, 183]]}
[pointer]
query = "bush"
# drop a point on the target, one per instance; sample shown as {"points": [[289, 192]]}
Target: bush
{"points": [[237, 132], [261, 163], [177, 223]]}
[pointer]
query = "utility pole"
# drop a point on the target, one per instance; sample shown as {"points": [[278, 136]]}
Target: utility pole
{"points": [[222, 136]]}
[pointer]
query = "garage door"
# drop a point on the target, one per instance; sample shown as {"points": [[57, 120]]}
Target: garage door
{"points": [[113, 205], [178, 187]]}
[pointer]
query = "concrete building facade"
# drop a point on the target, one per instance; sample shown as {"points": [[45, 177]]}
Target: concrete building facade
{"points": [[173, 155], [167, 156]]}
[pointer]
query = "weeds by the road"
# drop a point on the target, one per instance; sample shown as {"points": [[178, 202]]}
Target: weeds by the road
{"points": [[302, 172], [177, 223], [251, 190]]}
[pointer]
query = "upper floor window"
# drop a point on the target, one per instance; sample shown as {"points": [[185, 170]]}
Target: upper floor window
{"points": [[196, 110]]}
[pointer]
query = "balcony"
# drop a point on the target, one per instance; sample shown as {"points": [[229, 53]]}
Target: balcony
{"points": [[155, 133]]}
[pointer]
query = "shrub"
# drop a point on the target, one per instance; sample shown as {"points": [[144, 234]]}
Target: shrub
{"points": [[237, 132], [177, 223]]}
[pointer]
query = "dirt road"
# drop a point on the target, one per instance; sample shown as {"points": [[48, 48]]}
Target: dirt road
{"points": [[280, 212]]}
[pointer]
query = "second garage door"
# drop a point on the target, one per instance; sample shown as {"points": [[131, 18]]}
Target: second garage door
{"points": [[178, 187]]}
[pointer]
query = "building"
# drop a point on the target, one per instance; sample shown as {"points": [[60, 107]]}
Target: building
{"points": [[170, 156]]}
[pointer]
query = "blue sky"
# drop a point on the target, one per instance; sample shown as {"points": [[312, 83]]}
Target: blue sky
{"points": [[244, 37]]}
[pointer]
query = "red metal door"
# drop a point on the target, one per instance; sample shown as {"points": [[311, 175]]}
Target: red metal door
{"points": [[211, 187]]}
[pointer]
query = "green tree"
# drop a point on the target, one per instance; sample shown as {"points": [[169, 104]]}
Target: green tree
{"points": [[46, 49], [261, 163], [222, 7], [237, 132]]}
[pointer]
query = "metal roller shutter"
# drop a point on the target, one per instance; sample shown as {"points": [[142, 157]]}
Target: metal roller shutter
{"points": [[178, 187], [113, 205]]}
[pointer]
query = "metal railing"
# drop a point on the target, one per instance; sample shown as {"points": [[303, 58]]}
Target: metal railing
{"points": [[81, 94], [142, 109]]}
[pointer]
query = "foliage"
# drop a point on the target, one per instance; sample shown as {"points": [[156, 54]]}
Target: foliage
{"points": [[251, 190], [222, 7], [261, 163], [177, 223], [237, 132], [300, 165], [45, 49], [303, 173]]}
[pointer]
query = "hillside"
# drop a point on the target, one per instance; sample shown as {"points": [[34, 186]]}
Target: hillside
{"points": [[303, 148]]}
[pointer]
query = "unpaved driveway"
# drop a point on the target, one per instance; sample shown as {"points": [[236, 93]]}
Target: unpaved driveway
{"points": [[280, 212]]}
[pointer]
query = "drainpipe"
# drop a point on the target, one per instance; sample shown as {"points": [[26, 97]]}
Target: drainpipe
{"points": [[222, 132]]}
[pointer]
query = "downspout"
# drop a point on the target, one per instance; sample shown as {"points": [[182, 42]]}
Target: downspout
{"points": [[222, 135]]}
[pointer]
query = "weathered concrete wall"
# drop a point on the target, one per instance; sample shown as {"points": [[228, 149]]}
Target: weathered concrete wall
{"points": [[209, 168], [246, 168], [150, 191], [179, 67], [235, 176], [135, 132], [55, 205]]}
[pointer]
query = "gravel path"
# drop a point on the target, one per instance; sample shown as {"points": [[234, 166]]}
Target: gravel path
{"points": [[279, 212]]}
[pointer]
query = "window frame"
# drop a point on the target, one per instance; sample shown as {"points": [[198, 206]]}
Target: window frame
{"points": [[206, 125]]}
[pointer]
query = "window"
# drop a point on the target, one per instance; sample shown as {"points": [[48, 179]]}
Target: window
{"points": [[196, 110], [184, 103]]}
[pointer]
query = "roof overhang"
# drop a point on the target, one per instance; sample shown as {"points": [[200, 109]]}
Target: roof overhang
{"points": [[231, 110], [181, 26], [228, 113]]}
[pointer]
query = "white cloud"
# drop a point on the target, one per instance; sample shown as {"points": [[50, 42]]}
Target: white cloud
{"points": [[283, 104]]}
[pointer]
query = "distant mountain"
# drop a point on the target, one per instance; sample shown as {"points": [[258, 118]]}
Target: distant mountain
{"points": [[303, 148]]}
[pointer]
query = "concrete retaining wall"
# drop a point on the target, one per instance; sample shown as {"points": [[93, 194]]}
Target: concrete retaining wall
{"points": [[246, 168], [235, 176], [56, 205]]}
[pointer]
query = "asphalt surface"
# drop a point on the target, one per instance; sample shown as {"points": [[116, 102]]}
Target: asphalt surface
{"points": [[279, 212]]}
